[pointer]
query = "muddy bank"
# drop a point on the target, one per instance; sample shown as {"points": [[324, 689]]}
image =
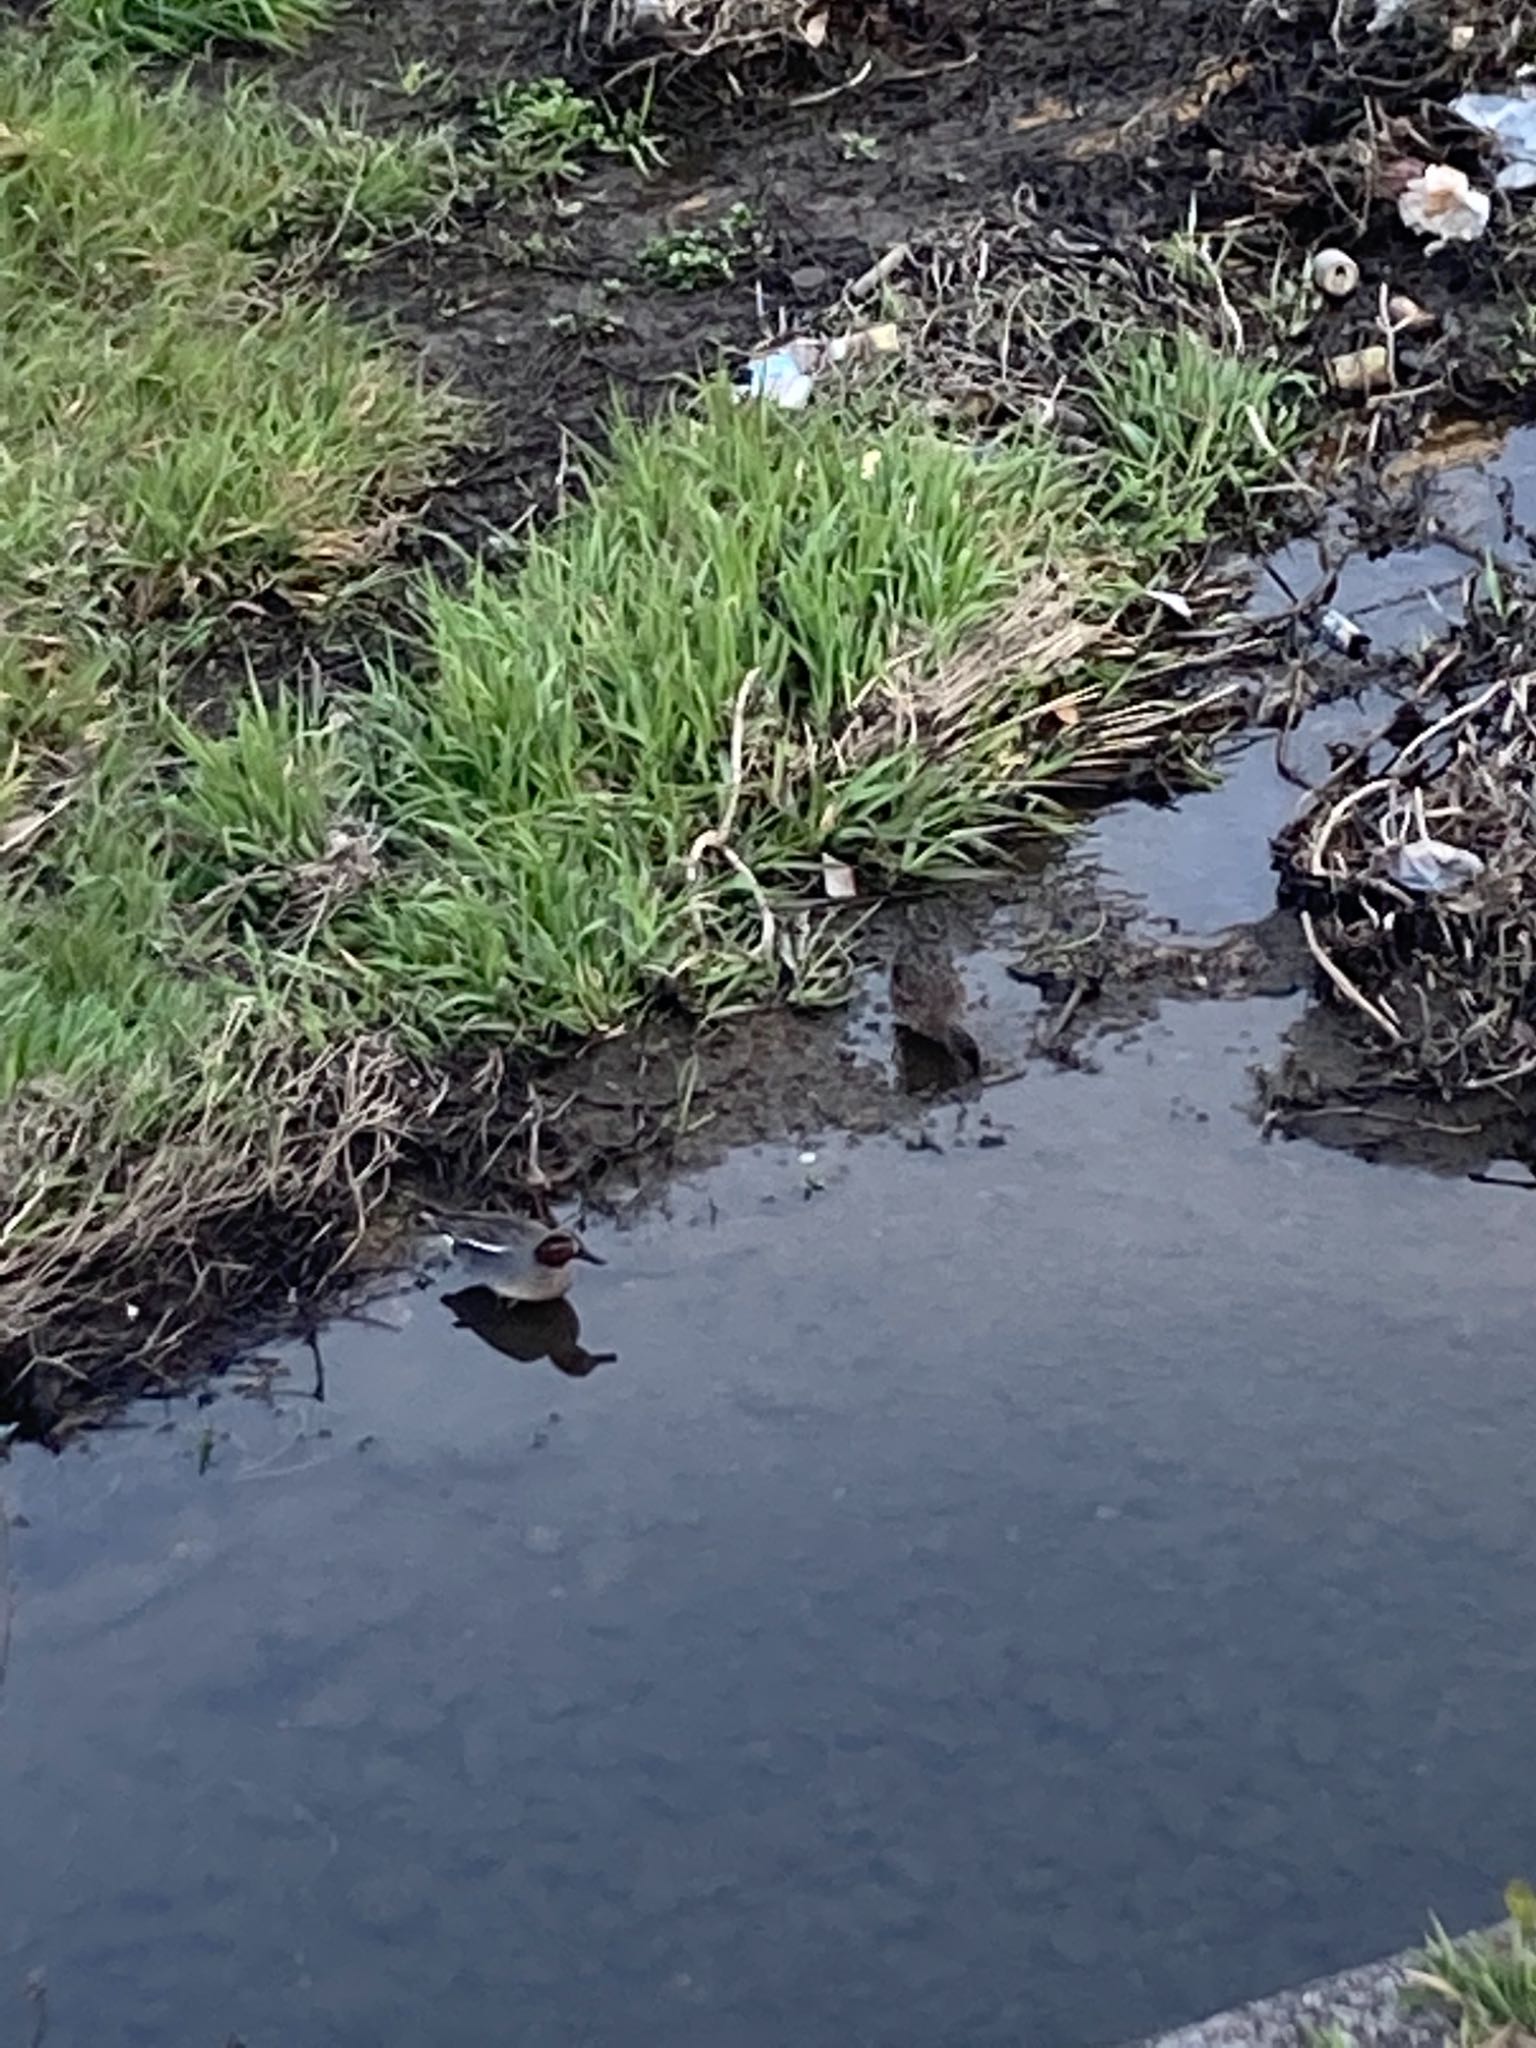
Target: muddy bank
{"points": [[1041, 190], [1027, 159]]}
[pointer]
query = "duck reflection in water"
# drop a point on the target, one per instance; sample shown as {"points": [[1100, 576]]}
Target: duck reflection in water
{"points": [[527, 1330]]}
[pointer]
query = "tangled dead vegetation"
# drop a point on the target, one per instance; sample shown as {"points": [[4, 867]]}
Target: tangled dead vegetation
{"points": [[699, 28], [116, 1251], [1048, 747], [1414, 868], [837, 45]]}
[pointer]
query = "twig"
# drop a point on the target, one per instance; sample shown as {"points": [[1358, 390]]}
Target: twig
{"points": [[879, 273], [832, 92], [1344, 985]]}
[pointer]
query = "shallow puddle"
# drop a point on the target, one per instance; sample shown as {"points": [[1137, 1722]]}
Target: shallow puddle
{"points": [[1030, 1589]]}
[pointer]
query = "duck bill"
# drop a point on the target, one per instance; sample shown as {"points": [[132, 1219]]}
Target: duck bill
{"points": [[590, 1258]]}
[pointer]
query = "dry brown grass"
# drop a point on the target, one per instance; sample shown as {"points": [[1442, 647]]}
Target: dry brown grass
{"points": [[123, 1251], [1444, 984]]}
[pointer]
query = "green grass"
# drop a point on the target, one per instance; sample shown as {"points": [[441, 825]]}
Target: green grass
{"points": [[750, 646], [177, 432], [231, 949], [1188, 425], [1487, 1980], [544, 131], [183, 432], [551, 760], [180, 27]]}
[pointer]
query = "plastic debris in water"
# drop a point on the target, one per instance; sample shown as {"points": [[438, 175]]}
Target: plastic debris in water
{"points": [[1431, 868], [1442, 202], [1340, 632], [1510, 119]]}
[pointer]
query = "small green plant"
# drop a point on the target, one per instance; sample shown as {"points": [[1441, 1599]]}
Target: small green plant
{"points": [[354, 188], [542, 130], [179, 27], [687, 259], [542, 127], [1488, 1980], [1333, 2034], [419, 76], [857, 147]]}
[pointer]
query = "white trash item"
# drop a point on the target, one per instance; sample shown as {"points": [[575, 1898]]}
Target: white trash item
{"points": [[781, 378], [1510, 118], [1440, 202], [786, 376], [1431, 868]]}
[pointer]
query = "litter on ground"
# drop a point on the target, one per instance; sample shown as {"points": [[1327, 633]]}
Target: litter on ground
{"points": [[1413, 868], [1510, 118]]}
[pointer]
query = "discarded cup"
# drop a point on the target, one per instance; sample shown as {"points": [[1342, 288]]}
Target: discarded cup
{"points": [[1429, 867], [1335, 273]]}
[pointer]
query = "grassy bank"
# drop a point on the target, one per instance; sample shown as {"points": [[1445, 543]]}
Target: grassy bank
{"points": [[238, 944]]}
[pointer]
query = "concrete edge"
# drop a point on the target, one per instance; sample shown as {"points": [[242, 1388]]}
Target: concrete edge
{"points": [[1366, 2002]]}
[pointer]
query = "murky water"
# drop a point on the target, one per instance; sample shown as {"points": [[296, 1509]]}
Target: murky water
{"points": [[1027, 1592]]}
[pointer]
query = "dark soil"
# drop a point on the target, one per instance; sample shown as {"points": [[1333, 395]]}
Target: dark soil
{"points": [[1102, 123]]}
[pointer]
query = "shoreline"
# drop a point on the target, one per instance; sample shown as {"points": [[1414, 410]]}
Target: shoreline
{"points": [[1364, 2003]]}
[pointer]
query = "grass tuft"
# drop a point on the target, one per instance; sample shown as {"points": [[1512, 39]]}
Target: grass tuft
{"points": [[1488, 1980], [176, 433], [1189, 426], [180, 27], [543, 130]]}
